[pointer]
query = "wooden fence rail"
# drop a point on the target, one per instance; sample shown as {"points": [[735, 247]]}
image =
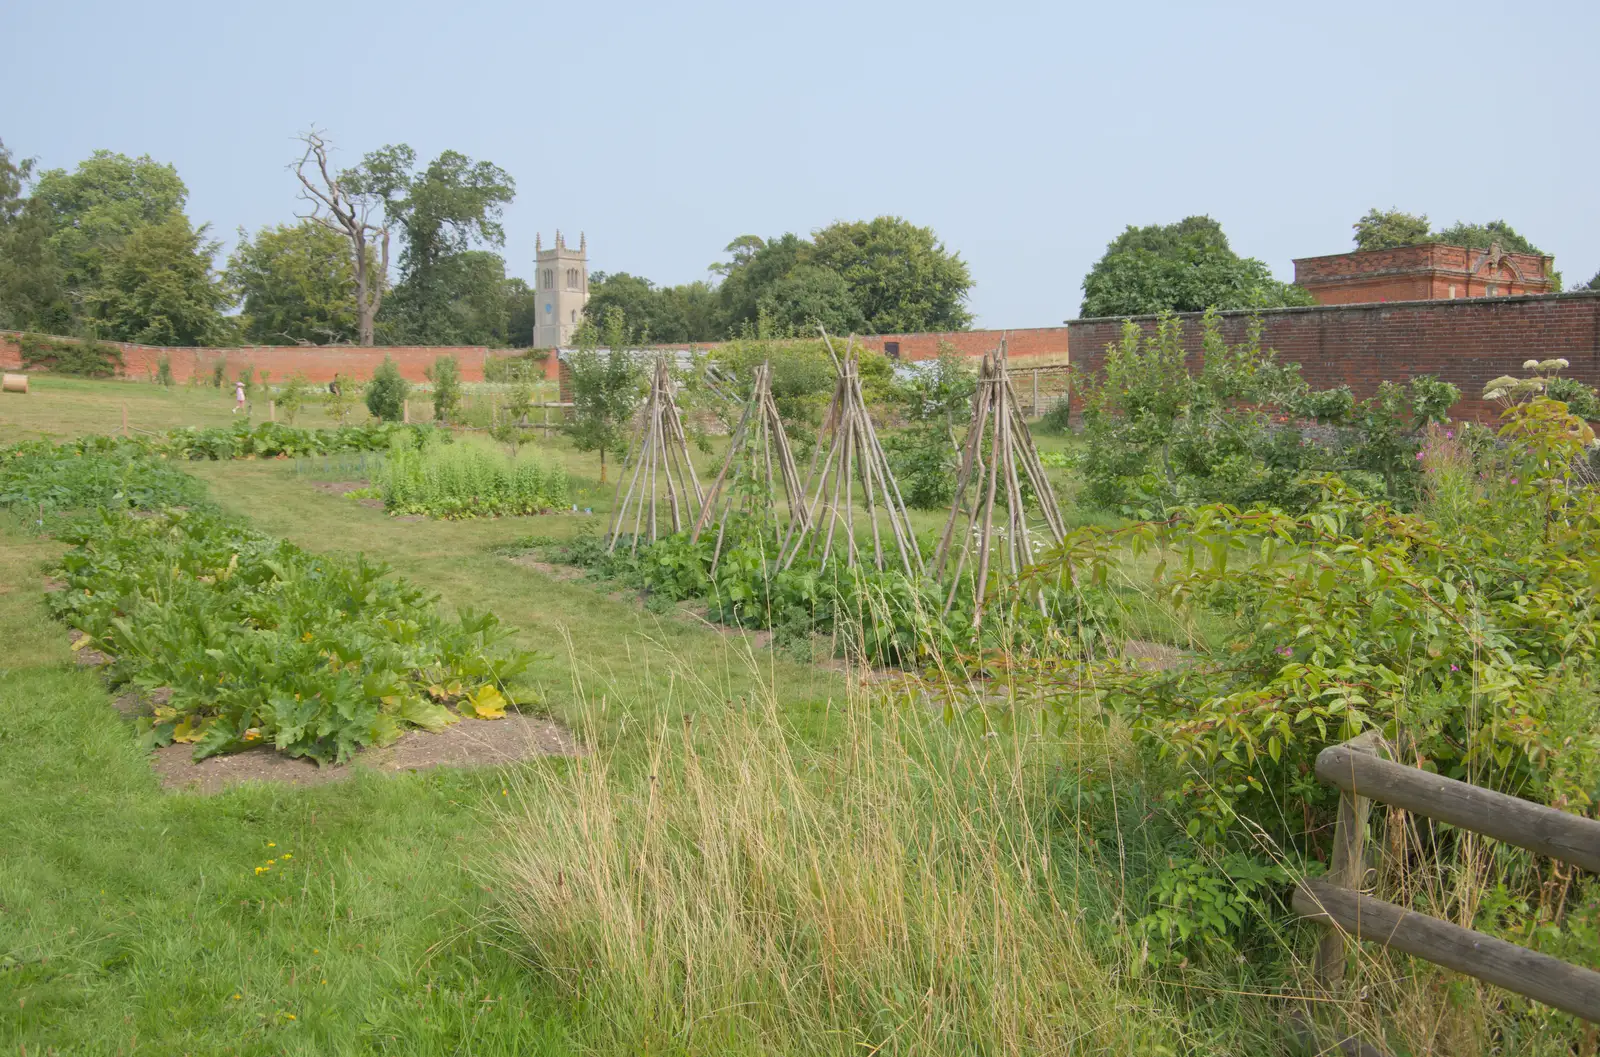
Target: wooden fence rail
{"points": [[1363, 776]]}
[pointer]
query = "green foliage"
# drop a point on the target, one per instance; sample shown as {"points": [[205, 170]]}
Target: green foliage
{"points": [[219, 372], [605, 390], [297, 282], [1465, 630], [386, 393], [469, 478], [164, 371], [292, 397], [445, 374], [935, 397], [450, 292], [1482, 236], [261, 643], [1182, 267], [1592, 284], [33, 294], [38, 478], [658, 314], [1390, 230], [881, 276], [341, 399], [1161, 436], [129, 257], [519, 404], [86, 358], [274, 440], [524, 367], [803, 378]]}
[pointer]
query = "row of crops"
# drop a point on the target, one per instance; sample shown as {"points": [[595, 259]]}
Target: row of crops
{"points": [[251, 639]]}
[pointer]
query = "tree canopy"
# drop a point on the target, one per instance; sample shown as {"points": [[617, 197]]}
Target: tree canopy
{"points": [[1183, 267], [297, 284], [106, 250], [1390, 230], [879, 276]]}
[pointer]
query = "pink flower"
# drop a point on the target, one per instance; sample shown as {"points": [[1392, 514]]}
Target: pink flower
{"points": [[1419, 455], [1453, 668], [1449, 434]]}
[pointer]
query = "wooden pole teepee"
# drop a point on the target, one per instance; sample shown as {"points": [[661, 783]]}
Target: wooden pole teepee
{"points": [[759, 464], [853, 454], [662, 473], [997, 419]]}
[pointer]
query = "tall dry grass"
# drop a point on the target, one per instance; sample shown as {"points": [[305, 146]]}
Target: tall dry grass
{"points": [[901, 890]]}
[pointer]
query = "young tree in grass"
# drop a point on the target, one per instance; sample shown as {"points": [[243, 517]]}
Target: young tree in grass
{"points": [[292, 397], [340, 400], [445, 374], [605, 389], [386, 393]]}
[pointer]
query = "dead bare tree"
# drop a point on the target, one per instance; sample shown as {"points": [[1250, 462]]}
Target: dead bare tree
{"points": [[353, 213]]}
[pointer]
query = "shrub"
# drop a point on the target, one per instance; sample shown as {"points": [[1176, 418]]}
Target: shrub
{"points": [[292, 397], [386, 393], [82, 357], [340, 400], [445, 374], [469, 478], [164, 371]]}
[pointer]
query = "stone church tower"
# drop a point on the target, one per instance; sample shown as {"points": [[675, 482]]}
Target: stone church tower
{"points": [[561, 283]]}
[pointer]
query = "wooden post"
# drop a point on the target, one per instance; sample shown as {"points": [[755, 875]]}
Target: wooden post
{"points": [[1035, 392], [124, 420], [272, 411], [405, 411]]}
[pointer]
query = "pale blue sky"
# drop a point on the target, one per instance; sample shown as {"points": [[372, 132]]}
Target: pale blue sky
{"points": [[1027, 136]]}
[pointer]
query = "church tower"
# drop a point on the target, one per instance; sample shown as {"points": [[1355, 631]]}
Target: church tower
{"points": [[561, 283]]}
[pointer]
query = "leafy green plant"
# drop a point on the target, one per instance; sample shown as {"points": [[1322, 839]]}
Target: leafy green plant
{"points": [[524, 367], [292, 398], [42, 479], [164, 371], [341, 399], [469, 478], [260, 643], [445, 374], [219, 372], [273, 440], [386, 393], [605, 390]]}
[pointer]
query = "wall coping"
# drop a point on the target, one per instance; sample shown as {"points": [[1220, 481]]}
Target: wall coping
{"points": [[1571, 295]]}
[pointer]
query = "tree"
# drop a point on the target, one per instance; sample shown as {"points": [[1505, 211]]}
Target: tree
{"points": [[605, 389], [807, 296], [1592, 284], [298, 285], [1390, 230], [32, 296], [659, 314], [159, 288], [386, 393], [100, 204], [1482, 236], [522, 309], [1183, 267], [450, 292], [898, 277], [349, 204]]}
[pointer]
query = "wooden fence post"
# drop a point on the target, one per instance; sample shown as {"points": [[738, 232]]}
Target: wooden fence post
{"points": [[1036, 393], [124, 420], [272, 411], [405, 411]]}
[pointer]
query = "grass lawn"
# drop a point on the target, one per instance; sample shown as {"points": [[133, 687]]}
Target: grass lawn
{"points": [[133, 920]]}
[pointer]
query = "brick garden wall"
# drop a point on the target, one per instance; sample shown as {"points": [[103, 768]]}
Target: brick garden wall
{"points": [[318, 363], [1463, 342]]}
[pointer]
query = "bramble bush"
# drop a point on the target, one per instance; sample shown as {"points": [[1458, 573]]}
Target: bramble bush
{"points": [[84, 357]]}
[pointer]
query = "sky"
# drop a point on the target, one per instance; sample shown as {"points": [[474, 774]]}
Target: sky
{"points": [[1027, 136]]}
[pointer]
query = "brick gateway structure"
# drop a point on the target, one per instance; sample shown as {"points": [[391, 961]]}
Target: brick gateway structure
{"points": [[1463, 342]]}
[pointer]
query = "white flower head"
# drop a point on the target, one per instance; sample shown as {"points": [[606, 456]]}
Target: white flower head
{"points": [[1528, 365]]}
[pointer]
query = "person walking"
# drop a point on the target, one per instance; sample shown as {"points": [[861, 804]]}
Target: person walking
{"points": [[238, 397]]}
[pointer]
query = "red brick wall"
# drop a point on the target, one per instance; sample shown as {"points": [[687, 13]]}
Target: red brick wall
{"points": [[1020, 344], [1463, 342], [317, 363], [1417, 273]]}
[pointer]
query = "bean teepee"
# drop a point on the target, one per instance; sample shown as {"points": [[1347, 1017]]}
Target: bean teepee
{"points": [[997, 419], [662, 473], [759, 465], [853, 455]]}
